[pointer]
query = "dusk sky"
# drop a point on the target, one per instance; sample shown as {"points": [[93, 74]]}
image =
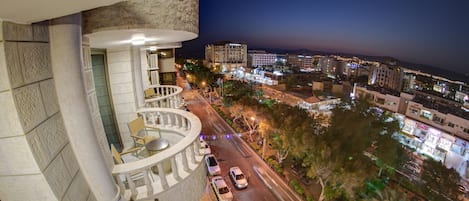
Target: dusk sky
{"points": [[420, 31]]}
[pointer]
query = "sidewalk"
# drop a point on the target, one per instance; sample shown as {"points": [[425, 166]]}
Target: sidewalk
{"points": [[311, 187], [208, 193]]}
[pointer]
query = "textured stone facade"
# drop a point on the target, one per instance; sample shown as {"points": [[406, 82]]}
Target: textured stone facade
{"points": [[182, 15], [191, 189], [37, 160]]}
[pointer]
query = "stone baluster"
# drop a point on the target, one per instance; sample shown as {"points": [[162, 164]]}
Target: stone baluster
{"points": [[193, 146], [198, 147], [119, 183], [185, 162], [162, 175], [133, 188], [146, 179], [175, 169]]}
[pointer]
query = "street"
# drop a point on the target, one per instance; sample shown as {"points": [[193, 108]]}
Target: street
{"points": [[230, 150]]}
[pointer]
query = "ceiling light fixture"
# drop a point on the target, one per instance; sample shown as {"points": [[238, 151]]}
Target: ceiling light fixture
{"points": [[138, 39]]}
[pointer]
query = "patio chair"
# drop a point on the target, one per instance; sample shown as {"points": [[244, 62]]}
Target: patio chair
{"points": [[128, 156], [125, 156], [139, 132], [150, 93]]}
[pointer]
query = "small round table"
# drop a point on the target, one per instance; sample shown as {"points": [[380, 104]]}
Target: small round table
{"points": [[155, 146]]}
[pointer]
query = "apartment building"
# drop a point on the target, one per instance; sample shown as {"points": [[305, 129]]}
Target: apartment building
{"points": [[328, 65], [228, 55], [386, 76], [259, 58], [72, 78], [298, 61]]}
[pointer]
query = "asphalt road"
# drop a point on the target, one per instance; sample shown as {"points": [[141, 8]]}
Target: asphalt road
{"points": [[230, 151]]}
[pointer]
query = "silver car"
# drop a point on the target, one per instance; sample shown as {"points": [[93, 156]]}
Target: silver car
{"points": [[221, 189], [212, 165], [238, 178], [205, 147]]}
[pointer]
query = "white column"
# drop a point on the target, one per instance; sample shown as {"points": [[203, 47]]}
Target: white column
{"points": [[137, 76], [66, 59], [157, 72]]}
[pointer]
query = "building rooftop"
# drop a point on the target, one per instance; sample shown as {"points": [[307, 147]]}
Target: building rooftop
{"points": [[441, 107]]}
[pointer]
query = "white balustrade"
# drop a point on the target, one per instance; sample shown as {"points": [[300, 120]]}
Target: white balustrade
{"points": [[167, 96], [184, 156]]}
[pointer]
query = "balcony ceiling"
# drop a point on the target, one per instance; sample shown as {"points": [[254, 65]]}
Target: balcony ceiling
{"points": [[119, 38], [29, 11]]}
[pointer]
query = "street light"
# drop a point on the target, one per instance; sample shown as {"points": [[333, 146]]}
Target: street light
{"points": [[204, 84], [264, 140]]}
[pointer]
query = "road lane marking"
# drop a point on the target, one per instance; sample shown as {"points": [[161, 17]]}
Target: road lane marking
{"points": [[236, 145], [217, 127], [261, 173]]}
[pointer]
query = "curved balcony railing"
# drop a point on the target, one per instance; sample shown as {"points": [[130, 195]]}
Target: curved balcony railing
{"points": [[166, 96], [184, 158]]}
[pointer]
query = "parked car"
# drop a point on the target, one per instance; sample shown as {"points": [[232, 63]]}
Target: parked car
{"points": [[212, 165], [205, 147], [413, 167], [239, 179], [222, 191], [462, 188]]}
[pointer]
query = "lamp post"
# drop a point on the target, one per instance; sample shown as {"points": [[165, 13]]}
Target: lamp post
{"points": [[204, 84], [264, 139]]}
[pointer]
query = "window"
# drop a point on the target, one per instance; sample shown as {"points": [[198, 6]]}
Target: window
{"points": [[380, 101], [451, 125], [466, 130], [426, 114], [438, 119]]}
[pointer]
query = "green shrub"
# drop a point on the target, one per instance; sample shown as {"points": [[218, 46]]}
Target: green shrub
{"points": [[296, 185]]}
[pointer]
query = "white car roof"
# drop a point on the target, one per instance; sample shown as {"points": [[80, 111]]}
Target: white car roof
{"points": [[219, 181], [236, 170]]}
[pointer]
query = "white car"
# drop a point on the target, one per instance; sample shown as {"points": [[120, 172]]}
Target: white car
{"points": [[238, 178], [413, 167], [212, 165], [462, 188], [222, 191], [205, 147]]}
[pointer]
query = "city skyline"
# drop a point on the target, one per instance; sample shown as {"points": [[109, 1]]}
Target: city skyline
{"points": [[431, 33]]}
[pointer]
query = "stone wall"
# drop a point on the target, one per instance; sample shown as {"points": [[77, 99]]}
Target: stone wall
{"points": [[190, 189], [122, 90], [182, 15], [37, 160]]}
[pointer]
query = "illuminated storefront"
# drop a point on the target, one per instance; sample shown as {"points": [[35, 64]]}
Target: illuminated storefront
{"points": [[440, 146]]}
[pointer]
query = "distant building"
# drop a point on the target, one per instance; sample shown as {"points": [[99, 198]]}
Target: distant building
{"points": [[227, 55], [298, 61], [258, 58], [353, 69], [386, 76], [281, 59], [328, 65]]}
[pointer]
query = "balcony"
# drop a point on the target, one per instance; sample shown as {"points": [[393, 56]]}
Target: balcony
{"points": [[176, 173], [165, 96]]}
